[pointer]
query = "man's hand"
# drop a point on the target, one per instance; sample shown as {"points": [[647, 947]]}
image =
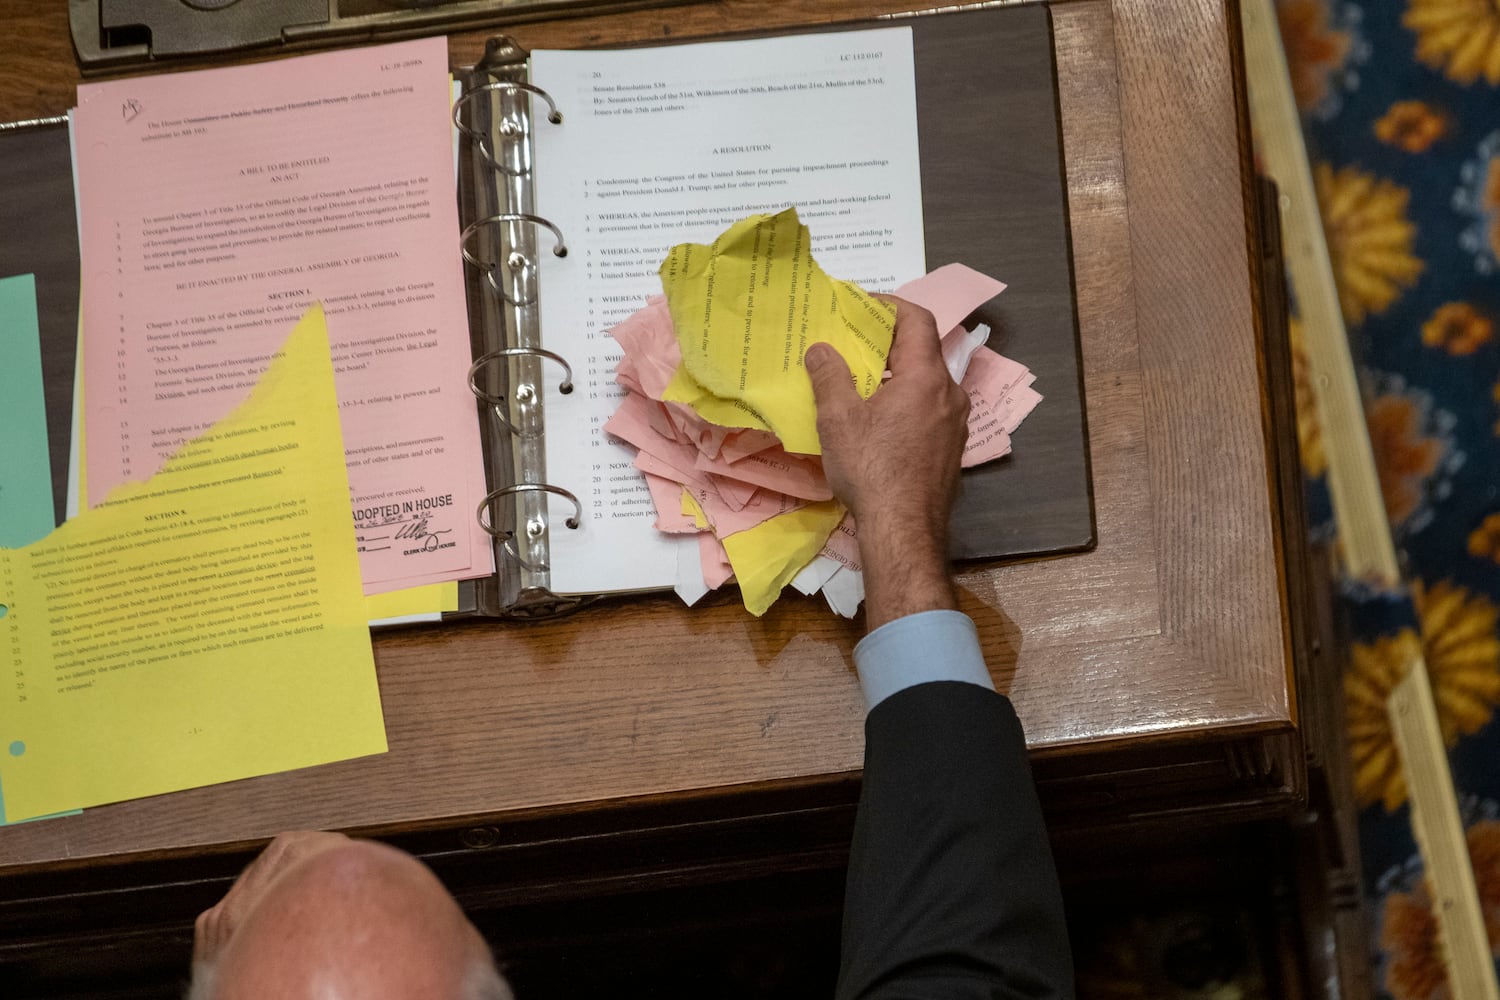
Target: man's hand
{"points": [[894, 461]]}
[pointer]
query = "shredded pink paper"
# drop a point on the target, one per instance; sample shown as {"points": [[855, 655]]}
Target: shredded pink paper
{"points": [[742, 478]]}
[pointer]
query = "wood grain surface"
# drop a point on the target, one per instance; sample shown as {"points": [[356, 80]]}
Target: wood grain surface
{"points": [[1172, 629]]}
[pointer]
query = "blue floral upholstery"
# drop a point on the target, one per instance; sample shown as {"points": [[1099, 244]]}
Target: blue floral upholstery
{"points": [[1401, 114]]}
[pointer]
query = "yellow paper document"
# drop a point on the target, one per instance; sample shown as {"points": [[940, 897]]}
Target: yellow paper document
{"points": [[413, 603], [745, 310], [205, 625], [393, 607]]}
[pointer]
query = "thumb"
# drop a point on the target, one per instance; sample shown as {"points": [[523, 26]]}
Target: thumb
{"points": [[832, 384]]}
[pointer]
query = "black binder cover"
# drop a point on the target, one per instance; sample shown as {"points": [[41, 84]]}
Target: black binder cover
{"points": [[993, 197], [36, 206]]}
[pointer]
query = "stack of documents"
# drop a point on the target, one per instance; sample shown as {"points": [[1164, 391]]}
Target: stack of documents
{"points": [[720, 411]]}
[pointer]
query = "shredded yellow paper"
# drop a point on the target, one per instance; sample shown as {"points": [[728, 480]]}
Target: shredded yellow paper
{"points": [[767, 556], [745, 310], [691, 508]]}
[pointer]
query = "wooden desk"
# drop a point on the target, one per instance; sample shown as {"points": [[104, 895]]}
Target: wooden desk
{"points": [[641, 741]]}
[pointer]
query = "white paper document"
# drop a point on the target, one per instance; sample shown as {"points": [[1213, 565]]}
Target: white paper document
{"points": [[671, 145]]}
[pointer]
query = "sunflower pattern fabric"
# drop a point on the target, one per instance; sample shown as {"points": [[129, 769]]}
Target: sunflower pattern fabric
{"points": [[1400, 101]]}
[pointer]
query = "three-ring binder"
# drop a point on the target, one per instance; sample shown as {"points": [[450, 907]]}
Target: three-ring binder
{"points": [[518, 264], [525, 393], [535, 528], [502, 257], [508, 128]]}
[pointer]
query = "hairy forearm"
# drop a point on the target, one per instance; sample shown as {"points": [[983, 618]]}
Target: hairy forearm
{"points": [[893, 459], [905, 570]]}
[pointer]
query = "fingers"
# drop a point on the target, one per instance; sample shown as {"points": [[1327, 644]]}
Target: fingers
{"points": [[833, 385], [916, 343]]}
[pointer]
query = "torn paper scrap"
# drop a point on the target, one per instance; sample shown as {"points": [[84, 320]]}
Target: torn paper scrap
{"points": [[950, 293], [691, 584], [844, 591], [814, 575], [767, 556], [959, 345], [745, 310]]}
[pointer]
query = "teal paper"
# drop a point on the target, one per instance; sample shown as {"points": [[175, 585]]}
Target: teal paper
{"points": [[25, 473]]}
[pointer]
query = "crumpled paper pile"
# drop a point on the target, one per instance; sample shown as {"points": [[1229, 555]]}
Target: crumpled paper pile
{"points": [[720, 408]]}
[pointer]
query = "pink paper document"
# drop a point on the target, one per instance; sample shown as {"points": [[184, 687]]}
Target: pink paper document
{"points": [[216, 207]]}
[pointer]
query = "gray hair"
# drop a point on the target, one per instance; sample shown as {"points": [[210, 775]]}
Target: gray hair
{"points": [[482, 981]]}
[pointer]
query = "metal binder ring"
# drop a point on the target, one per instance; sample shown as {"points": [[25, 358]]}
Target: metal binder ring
{"points": [[506, 127], [525, 271], [536, 527], [560, 249], [525, 392], [516, 352]]}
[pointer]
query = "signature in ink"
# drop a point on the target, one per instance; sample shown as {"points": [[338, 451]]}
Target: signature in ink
{"points": [[417, 531]]}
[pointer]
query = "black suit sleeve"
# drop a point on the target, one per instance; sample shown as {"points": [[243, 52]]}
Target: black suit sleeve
{"points": [[952, 891]]}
